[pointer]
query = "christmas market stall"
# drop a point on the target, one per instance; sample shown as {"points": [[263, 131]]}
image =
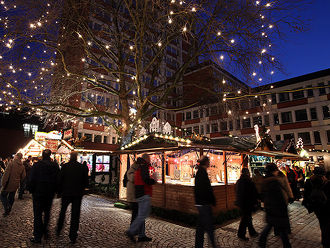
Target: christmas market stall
{"points": [[174, 160]]}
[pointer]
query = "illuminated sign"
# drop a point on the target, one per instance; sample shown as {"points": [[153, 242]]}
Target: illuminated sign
{"points": [[53, 135]]}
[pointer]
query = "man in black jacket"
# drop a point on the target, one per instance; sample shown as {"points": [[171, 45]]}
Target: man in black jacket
{"points": [[204, 198], [73, 180], [42, 185]]}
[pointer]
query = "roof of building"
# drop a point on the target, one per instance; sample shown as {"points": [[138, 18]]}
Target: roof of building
{"points": [[294, 80]]}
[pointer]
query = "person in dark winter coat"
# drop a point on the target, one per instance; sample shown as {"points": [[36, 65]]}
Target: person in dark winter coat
{"points": [[320, 182], [275, 207], [11, 179], [143, 193], [42, 185], [246, 200], [204, 199], [292, 178], [72, 181], [27, 166]]}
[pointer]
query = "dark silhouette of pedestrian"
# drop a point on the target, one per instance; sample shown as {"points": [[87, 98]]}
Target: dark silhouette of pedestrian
{"points": [[317, 200], [246, 200], [275, 207], [292, 178], [204, 199], [73, 179], [143, 193], [27, 167], [13, 175], [42, 184]]}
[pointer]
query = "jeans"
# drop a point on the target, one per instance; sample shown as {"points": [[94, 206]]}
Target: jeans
{"points": [[246, 222], [41, 205], [7, 199], [266, 231], [75, 215], [135, 209], [138, 225], [204, 224]]}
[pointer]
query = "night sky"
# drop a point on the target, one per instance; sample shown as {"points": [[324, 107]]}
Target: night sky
{"points": [[309, 51]]}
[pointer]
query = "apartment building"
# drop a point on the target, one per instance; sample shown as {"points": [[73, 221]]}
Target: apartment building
{"points": [[292, 108]]}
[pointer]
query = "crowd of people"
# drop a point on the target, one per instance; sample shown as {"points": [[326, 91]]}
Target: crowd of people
{"points": [[44, 180], [271, 192]]}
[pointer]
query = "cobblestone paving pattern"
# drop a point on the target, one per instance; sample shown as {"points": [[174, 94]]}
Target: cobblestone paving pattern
{"points": [[103, 225]]}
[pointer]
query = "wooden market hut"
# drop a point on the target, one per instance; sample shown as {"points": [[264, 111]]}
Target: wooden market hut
{"points": [[178, 194]]}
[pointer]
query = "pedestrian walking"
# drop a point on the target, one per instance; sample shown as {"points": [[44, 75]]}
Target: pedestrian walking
{"points": [[73, 179], [131, 188], [275, 207], [317, 200], [258, 180], [27, 167], [42, 184], [2, 169], [12, 177], [204, 199], [246, 200], [143, 193], [292, 178]]}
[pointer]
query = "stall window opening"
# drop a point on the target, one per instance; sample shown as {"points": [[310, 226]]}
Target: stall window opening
{"points": [[97, 139], [88, 137]]}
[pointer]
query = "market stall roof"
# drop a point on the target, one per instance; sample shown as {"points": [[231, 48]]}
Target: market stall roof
{"points": [[162, 142]]}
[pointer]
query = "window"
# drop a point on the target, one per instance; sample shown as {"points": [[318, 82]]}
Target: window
{"points": [[214, 128], [326, 113], [196, 129], [188, 116], [247, 123], [214, 110], [201, 113], [223, 126], [195, 114], [310, 92], [301, 115], [188, 131], [29, 129], [278, 137], [257, 120], [273, 98], [230, 125], [207, 112], [305, 137], [238, 124], [328, 135], [321, 90], [284, 97], [276, 119], [113, 140], [207, 128], [256, 102], [266, 120], [313, 114], [202, 130], [288, 136], [88, 137], [286, 117], [89, 120], [298, 94], [105, 139], [97, 138], [317, 137]]}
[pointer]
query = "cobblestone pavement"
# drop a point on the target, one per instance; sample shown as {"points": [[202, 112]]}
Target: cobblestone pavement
{"points": [[103, 225]]}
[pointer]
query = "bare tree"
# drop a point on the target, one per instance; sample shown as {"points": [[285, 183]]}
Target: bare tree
{"points": [[69, 59]]}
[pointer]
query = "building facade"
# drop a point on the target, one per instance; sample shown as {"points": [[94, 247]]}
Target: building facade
{"points": [[293, 108]]}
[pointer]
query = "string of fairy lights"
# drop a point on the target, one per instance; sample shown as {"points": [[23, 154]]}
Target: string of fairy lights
{"points": [[14, 95]]}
